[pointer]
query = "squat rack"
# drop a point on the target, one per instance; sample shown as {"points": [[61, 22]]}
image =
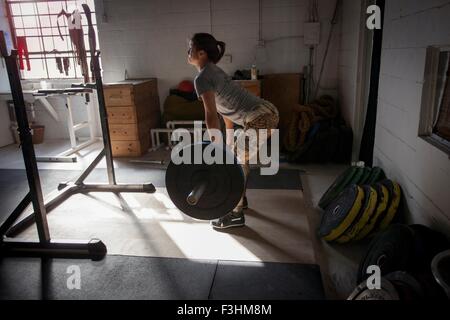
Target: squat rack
{"points": [[46, 246]]}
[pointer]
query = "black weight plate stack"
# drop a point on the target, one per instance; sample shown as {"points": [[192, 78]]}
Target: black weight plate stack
{"points": [[341, 213], [428, 243], [367, 210], [388, 216], [376, 175], [387, 292], [365, 177], [224, 190], [407, 285], [391, 250], [431, 289], [337, 187], [359, 174], [383, 197]]}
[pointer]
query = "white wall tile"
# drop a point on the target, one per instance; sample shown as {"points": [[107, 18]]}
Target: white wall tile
{"points": [[422, 169]]}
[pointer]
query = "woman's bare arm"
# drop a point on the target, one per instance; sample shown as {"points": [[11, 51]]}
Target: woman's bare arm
{"points": [[211, 117], [229, 125]]}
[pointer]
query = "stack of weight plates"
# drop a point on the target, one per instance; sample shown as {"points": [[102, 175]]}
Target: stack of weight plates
{"points": [[360, 203], [404, 256], [395, 286], [353, 175], [401, 247]]}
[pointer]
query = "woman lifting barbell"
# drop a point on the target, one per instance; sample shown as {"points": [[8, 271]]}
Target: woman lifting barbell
{"points": [[220, 95]]}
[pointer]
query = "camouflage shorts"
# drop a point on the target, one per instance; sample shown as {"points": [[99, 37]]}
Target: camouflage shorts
{"points": [[267, 121]]}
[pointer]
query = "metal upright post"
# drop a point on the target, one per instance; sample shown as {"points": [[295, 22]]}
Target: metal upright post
{"points": [[97, 74], [27, 147], [104, 121]]}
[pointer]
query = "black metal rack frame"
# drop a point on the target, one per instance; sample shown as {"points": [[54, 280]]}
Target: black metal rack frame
{"points": [[91, 248]]}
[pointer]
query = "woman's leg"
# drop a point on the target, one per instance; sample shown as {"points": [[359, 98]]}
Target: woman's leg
{"points": [[242, 205], [267, 122]]}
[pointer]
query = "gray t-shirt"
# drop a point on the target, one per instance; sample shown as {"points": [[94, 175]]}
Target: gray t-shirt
{"points": [[232, 100]]}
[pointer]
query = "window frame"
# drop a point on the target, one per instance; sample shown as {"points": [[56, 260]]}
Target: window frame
{"points": [[431, 100], [46, 55]]}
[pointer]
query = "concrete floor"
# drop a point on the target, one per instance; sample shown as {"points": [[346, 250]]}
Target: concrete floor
{"points": [[338, 263]]}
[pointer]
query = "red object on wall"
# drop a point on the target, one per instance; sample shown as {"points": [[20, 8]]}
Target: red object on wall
{"points": [[22, 50], [186, 86]]}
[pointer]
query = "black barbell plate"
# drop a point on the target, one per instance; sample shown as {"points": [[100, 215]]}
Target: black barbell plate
{"points": [[386, 292], [382, 216], [365, 176], [376, 175], [391, 250], [406, 284], [358, 176], [224, 191], [337, 187], [428, 243], [341, 213], [383, 197], [366, 212], [396, 194]]}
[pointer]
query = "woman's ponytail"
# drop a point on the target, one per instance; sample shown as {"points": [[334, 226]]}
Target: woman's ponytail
{"points": [[221, 46]]}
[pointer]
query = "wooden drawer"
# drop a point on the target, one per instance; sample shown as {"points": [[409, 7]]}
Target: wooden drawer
{"points": [[123, 132], [129, 148], [134, 131], [121, 115], [119, 96], [129, 132], [144, 110], [126, 93]]}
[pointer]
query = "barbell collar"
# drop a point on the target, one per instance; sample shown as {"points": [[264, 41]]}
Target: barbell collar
{"points": [[194, 197]]}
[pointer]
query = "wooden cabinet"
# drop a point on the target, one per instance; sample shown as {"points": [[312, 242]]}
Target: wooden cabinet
{"points": [[133, 109], [254, 86]]}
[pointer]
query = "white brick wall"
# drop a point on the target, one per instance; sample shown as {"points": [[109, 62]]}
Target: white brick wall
{"points": [[423, 170], [149, 38]]}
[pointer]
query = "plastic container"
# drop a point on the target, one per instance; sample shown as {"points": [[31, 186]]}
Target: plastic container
{"points": [[254, 73], [37, 132]]}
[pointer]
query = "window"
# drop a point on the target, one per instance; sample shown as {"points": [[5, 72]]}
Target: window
{"points": [[46, 51], [435, 117], [442, 127]]}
